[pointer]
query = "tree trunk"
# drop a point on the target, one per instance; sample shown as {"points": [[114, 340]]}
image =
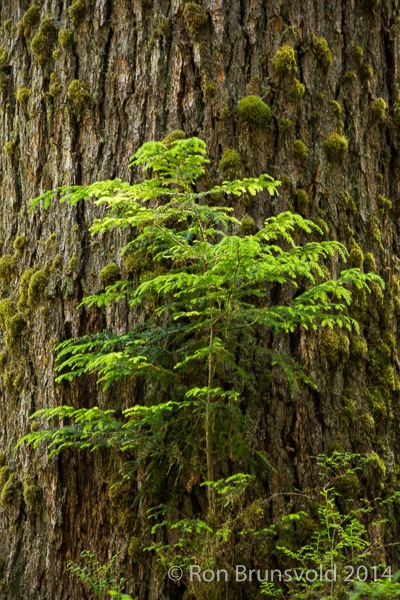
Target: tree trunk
{"points": [[142, 69]]}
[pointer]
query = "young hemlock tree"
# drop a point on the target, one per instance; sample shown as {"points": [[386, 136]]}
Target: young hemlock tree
{"points": [[204, 290]]}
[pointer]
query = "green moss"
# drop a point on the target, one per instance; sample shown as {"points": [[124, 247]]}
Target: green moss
{"points": [[375, 232], [248, 226], [384, 204], [19, 243], [323, 54], [24, 286], [7, 25], [285, 61], [356, 257], [378, 110], [9, 148], [4, 476], [44, 40], [358, 347], [23, 95], [335, 148], [135, 263], [30, 492], [38, 282], [285, 180], [210, 90], [57, 262], [302, 199], [109, 274], [2, 459], [14, 330], [253, 111], [358, 55], [335, 346], [367, 71], [230, 164], [300, 150], [297, 90], [195, 17], [30, 20], [56, 54], [173, 136], [3, 359], [77, 11], [79, 94], [8, 265], [349, 77], [336, 108], [135, 548], [66, 39], [369, 263], [55, 88], [7, 310], [10, 491], [284, 125], [322, 224], [348, 486]]}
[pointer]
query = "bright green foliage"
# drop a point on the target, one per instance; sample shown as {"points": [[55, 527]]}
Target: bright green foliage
{"points": [[97, 577], [203, 297], [338, 538], [285, 61], [253, 111]]}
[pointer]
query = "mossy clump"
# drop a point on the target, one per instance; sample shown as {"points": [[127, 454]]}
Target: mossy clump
{"points": [[285, 180], [23, 95], [336, 108], [38, 282], [9, 148], [253, 111], [55, 88], [384, 204], [10, 491], [302, 199], [135, 548], [24, 287], [378, 110], [297, 90], [335, 346], [358, 55], [4, 476], [358, 347], [285, 61], [369, 263], [7, 310], [284, 125], [300, 150], [210, 90], [43, 41], [19, 243], [173, 136], [30, 20], [230, 164], [248, 226], [77, 11], [336, 147], [30, 492], [323, 54], [374, 231], [350, 77], [79, 94], [15, 328], [356, 257], [367, 71], [109, 274], [195, 17], [8, 264], [66, 39], [2, 459]]}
